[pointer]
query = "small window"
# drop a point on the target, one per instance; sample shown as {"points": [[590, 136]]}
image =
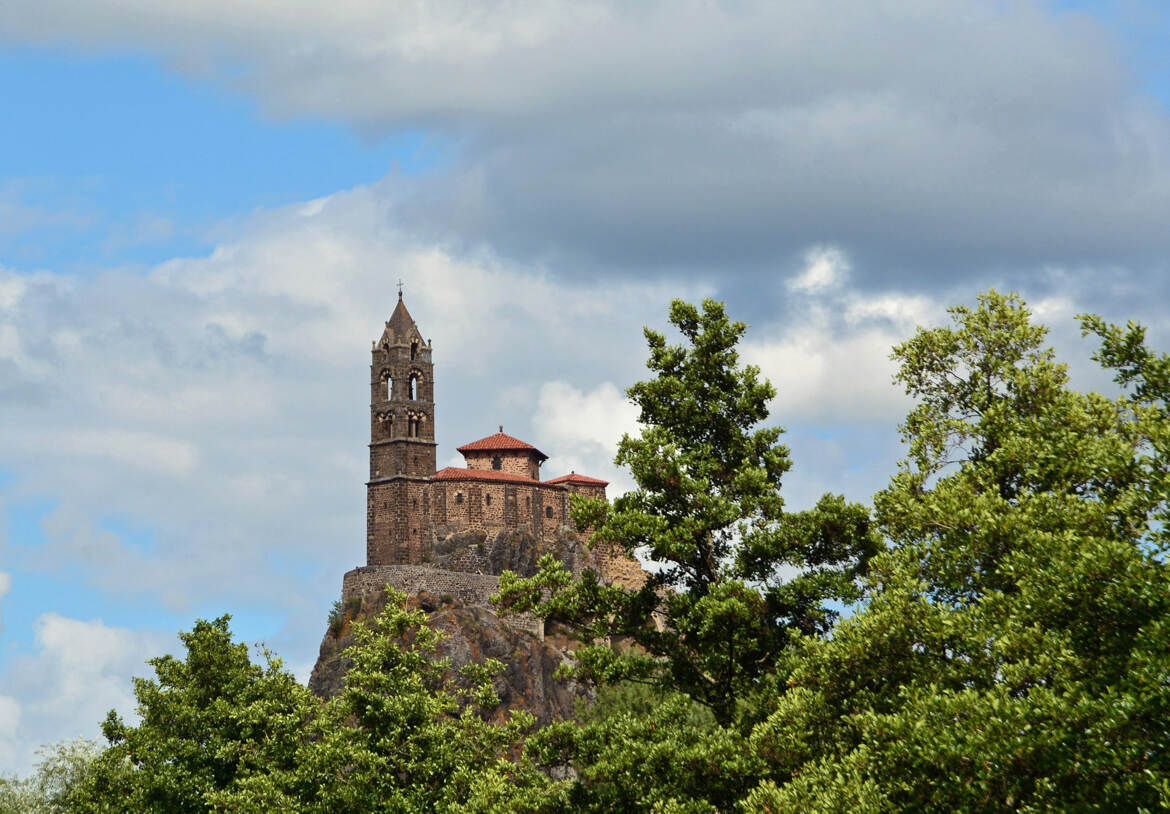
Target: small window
{"points": [[548, 511], [458, 497], [497, 463], [413, 386], [414, 349], [487, 499], [415, 502]]}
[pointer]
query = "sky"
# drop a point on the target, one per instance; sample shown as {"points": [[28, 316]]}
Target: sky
{"points": [[205, 209]]}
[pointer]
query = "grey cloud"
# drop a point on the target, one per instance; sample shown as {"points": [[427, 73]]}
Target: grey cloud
{"points": [[936, 141]]}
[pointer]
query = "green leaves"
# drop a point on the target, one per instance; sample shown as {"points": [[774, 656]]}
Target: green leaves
{"points": [[732, 574], [209, 722], [1012, 653]]}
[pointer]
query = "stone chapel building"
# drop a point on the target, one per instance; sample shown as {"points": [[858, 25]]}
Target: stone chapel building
{"points": [[451, 531]]}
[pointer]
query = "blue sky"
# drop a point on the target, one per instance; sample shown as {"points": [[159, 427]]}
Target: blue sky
{"points": [[204, 210], [131, 164]]}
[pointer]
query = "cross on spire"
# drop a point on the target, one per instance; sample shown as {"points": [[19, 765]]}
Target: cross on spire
{"points": [[399, 288]]}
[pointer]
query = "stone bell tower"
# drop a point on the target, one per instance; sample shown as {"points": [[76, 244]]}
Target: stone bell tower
{"points": [[402, 442]]}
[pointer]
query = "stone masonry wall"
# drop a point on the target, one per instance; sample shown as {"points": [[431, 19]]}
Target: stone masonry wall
{"points": [[471, 505], [521, 463]]}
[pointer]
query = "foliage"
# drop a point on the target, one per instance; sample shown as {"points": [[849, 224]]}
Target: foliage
{"points": [[1014, 653], [219, 733], [61, 770], [734, 576], [401, 735], [342, 612], [661, 756], [208, 722]]}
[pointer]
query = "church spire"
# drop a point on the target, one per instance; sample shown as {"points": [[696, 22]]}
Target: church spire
{"points": [[400, 328]]}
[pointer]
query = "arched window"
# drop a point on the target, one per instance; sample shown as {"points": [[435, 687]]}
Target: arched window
{"points": [[412, 427], [413, 386], [413, 349], [458, 497], [487, 499], [548, 512], [497, 463], [388, 384]]}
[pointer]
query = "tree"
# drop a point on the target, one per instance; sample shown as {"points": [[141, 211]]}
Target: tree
{"points": [[219, 733], [733, 576], [208, 722], [1015, 647], [641, 748], [61, 771], [401, 736]]}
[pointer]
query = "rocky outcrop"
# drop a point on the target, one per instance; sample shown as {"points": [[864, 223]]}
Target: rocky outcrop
{"points": [[474, 633]]}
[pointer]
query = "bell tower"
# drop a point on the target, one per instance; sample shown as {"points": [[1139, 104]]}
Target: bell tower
{"points": [[402, 442]]}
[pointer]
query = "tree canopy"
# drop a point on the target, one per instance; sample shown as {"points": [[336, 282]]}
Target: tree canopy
{"points": [[733, 576], [1013, 653]]}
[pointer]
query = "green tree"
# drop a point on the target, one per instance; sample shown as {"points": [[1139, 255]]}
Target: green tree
{"points": [[208, 722], [644, 749], [1014, 651], [733, 575], [60, 772], [401, 736]]}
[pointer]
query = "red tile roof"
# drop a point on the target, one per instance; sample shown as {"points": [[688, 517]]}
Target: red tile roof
{"points": [[583, 480], [458, 473], [500, 442]]}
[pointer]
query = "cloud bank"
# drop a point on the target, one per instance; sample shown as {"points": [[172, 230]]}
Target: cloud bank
{"points": [[932, 139]]}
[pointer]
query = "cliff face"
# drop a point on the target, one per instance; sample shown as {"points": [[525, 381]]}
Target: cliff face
{"points": [[474, 633], [453, 584]]}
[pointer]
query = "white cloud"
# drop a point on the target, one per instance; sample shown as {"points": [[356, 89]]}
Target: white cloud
{"points": [[825, 267], [78, 671], [219, 401], [9, 727], [901, 312], [365, 58], [830, 362], [823, 377], [583, 428], [5, 587]]}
